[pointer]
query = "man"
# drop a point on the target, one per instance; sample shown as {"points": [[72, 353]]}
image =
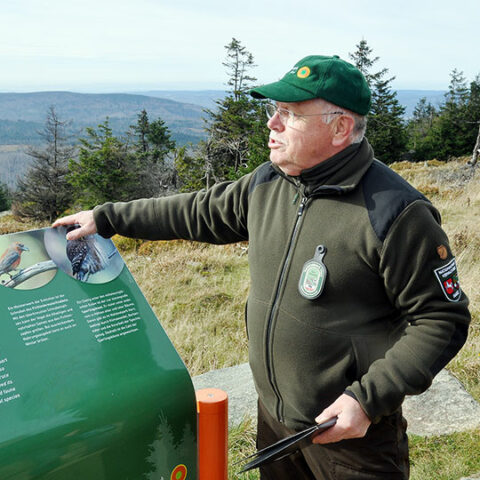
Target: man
{"points": [[354, 299]]}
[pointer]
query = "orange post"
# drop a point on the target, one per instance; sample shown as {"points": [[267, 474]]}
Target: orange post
{"points": [[212, 408]]}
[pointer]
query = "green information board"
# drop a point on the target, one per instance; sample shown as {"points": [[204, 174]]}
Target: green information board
{"points": [[91, 388]]}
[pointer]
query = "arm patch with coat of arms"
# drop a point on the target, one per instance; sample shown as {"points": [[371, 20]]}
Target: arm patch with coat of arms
{"points": [[447, 277]]}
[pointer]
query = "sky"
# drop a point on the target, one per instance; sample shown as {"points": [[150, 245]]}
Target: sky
{"points": [[134, 45]]}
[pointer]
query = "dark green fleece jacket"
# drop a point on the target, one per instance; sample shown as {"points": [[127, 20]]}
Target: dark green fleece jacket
{"points": [[383, 317]]}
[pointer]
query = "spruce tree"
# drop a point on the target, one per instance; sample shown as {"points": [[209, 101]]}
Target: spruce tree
{"points": [[421, 138], [4, 197], [152, 158], [152, 140], [236, 129], [103, 170], [452, 128], [473, 117], [44, 192], [386, 130]]}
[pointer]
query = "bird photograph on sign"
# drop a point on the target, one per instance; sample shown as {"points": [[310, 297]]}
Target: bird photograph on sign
{"points": [[11, 258], [90, 259], [30, 260], [24, 261]]}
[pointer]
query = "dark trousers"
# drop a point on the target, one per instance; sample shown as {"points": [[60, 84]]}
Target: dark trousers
{"points": [[381, 455]]}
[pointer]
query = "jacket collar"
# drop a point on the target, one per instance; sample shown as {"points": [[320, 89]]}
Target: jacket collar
{"points": [[340, 173]]}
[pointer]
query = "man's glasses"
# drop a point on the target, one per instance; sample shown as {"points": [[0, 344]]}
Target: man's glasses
{"points": [[287, 117]]}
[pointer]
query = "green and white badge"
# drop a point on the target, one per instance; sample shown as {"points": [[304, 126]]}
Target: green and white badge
{"points": [[314, 274]]}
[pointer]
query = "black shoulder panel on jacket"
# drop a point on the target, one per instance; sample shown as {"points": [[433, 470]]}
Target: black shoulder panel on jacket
{"points": [[386, 194], [264, 174]]}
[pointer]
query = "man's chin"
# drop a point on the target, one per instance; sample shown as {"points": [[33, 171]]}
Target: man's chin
{"points": [[285, 167]]}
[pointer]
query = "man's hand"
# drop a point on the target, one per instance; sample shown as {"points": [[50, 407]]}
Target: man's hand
{"points": [[84, 219], [352, 421]]}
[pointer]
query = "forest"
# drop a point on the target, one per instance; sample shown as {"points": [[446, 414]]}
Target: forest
{"points": [[67, 173]]}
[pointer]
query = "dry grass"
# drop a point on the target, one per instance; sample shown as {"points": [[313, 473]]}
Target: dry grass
{"points": [[11, 224], [198, 293]]}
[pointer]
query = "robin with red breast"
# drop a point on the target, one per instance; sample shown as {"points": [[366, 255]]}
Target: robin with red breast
{"points": [[11, 258]]}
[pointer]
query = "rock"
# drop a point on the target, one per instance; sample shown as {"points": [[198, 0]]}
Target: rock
{"points": [[238, 383], [444, 408]]}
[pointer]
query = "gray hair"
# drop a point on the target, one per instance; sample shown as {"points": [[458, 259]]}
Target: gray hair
{"points": [[360, 121]]}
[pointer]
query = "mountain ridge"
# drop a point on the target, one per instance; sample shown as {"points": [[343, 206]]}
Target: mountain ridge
{"points": [[90, 109], [23, 114]]}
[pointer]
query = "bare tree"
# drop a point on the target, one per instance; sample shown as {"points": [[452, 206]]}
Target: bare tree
{"points": [[44, 193], [476, 149]]}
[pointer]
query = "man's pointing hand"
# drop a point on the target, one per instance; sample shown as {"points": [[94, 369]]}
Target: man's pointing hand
{"points": [[84, 219]]}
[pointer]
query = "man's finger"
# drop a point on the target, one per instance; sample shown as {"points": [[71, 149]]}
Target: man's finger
{"points": [[332, 435], [68, 220], [328, 413], [84, 219], [77, 233], [352, 421]]}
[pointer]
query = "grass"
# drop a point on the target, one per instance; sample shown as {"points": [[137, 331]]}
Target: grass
{"points": [[241, 442], [445, 457], [198, 293]]}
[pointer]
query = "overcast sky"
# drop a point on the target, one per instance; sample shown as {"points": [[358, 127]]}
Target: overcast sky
{"points": [[125, 45]]}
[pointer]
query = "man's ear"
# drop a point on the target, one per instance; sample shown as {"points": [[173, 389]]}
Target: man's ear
{"points": [[343, 129]]}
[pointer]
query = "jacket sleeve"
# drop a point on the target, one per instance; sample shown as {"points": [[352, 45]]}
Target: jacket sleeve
{"points": [[420, 278], [217, 215]]}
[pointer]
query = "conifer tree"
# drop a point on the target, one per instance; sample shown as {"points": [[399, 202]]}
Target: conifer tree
{"points": [[452, 129], [44, 192], [4, 197], [239, 61], [236, 129], [192, 168], [152, 140], [420, 127], [386, 130], [473, 117], [103, 170], [152, 162]]}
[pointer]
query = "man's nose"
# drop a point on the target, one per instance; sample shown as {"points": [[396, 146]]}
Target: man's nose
{"points": [[274, 123]]}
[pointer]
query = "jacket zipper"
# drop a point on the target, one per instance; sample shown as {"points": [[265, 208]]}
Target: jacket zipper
{"points": [[268, 353]]}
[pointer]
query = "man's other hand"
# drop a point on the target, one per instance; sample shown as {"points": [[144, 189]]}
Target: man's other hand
{"points": [[352, 421], [84, 219]]}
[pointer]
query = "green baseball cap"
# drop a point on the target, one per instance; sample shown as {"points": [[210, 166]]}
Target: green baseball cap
{"points": [[318, 76]]}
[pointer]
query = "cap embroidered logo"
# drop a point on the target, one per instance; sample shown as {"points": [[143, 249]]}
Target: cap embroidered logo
{"points": [[303, 72]]}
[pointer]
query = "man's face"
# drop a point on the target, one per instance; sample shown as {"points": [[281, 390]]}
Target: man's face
{"points": [[303, 143]]}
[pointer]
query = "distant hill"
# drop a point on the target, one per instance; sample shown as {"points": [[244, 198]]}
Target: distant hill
{"points": [[14, 161], [204, 98], [410, 98], [207, 98], [23, 114]]}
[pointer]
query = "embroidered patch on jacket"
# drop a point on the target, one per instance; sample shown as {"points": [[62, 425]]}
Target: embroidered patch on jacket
{"points": [[447, 277], [442, 252]]}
